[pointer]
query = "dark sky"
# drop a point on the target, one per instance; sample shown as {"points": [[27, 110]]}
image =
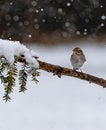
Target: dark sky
{"points": [[33, 19]]}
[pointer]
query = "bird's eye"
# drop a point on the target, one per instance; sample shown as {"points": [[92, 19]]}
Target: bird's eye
{"points": [[78, 52]]}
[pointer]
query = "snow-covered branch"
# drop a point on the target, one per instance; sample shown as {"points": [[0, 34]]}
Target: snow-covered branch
{"points": [[13, 54], [11, 70]]}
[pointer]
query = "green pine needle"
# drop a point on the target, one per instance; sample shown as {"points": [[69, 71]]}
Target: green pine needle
{"points": [[23, 78], [34, 76], [9, 73], [9, 82]]}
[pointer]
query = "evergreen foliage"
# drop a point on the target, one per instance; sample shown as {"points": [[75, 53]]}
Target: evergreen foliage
{"points": [[23, 75], [10, 73]]}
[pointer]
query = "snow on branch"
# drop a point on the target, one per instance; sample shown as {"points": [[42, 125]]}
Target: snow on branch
{"points": [[11, 49], [9, 70]]}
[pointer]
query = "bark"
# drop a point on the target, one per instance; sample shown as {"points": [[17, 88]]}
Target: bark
{"points": [[59, 71]]}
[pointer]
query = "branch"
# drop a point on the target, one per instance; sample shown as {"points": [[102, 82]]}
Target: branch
{"points": [[59, 71]]}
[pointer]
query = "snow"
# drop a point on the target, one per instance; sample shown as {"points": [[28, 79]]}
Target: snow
{"points": [[9, 49], [67, 24], [102, 24], [60, 10], [103, 17], [63, 103], [16, 18], [78, 32], [36, 26], [68, 4], [34, 3]]}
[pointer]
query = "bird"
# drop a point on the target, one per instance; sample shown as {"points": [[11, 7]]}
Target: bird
{"points": [[77, 59]]}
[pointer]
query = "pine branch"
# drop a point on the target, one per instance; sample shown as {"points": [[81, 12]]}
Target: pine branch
{"points": [[8, 74], [9, 82], [34, 75], [23, 78]]}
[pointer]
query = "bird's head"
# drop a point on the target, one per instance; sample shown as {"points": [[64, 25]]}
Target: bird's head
{"points": [[77, 51]]}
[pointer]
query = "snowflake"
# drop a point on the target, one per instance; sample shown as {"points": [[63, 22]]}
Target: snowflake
{"points": [[101, 6], [78, 32], [35, 20], [7, 17], [85, 29], [68, 4], [36, 26], [60, 10], [67, 24], [43, 20], [16, 18], [42, 9], [103, 17], [29, 35], [37, 11], [84, 33], [34, 3], [11, 3], [26, 23], [102, 24]]}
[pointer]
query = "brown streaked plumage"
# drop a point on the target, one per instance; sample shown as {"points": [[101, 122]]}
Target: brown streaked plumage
{"points": [[77, 58]]}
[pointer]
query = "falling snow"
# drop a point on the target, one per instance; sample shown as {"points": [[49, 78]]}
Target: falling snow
{"points": [[68, 4], [7, 17], [102, 24], [85, 33], [43, 20], [78, 32], [26, 23], [34, 3], [36, 26], [101, 6], [42, 9], [73, 17], [16, 18], [67, 24], [60, 10], [103, 17], [37, 11], [29, 35]]}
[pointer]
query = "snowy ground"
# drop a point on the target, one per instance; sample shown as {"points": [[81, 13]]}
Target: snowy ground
{"points": [[59, 104]]}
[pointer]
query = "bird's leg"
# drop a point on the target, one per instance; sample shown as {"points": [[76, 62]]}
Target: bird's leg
{"points": [[80, 70], [74, 69]]}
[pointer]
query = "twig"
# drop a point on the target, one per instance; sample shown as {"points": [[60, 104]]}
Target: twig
{"points": [[59, 71]]}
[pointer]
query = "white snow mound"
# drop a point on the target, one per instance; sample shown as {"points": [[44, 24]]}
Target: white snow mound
{"points": [[9, 49]]}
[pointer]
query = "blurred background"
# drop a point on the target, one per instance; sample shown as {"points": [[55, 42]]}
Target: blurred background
{"points": [[57, 103], [52, 21]]}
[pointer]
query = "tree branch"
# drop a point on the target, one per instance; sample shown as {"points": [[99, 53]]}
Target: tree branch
{"points": [[59, 71]]}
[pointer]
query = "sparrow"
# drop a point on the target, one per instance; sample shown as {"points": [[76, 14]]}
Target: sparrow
{"points": [[77, 59]]}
